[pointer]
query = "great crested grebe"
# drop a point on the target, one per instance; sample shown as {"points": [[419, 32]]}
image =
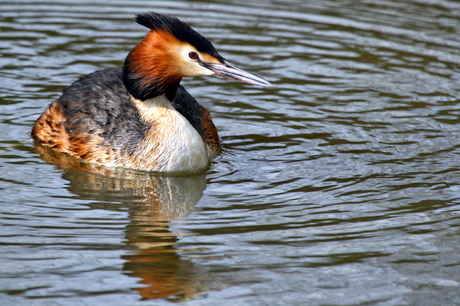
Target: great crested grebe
{"points": [[139, 117]]}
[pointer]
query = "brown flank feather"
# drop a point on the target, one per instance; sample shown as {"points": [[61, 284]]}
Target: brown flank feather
{"points": [[50, 131]]}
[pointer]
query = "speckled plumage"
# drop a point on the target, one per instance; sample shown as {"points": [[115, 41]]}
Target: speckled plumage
{"points": [[96, 120]]}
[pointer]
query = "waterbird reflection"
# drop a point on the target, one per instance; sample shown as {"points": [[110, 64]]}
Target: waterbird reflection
{"points": [[152, 202]]}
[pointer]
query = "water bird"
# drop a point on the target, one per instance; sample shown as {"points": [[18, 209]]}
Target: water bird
{"points": [[139, 116]]}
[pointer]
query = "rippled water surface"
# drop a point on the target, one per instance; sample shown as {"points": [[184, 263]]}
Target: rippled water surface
{"points": [[339, 186]]}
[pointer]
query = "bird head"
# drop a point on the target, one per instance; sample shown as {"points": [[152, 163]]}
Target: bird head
{"points": [[170, 51]]}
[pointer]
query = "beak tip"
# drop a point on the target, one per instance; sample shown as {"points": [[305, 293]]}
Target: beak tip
{"points": [[258, 81], [263, 83], [268, 85]]}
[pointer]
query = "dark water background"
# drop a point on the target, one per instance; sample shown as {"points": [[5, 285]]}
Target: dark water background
{"points": [[339, 186]]}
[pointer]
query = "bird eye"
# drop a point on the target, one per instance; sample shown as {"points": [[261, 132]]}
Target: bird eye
{"points": [[193, 55]]}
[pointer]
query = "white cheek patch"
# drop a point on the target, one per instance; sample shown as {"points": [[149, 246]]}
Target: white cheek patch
{"points": [[205, 71], [190, 67], [194, 69]]}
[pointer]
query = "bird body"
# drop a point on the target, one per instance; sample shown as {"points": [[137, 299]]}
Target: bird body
{"points": [[139, 117]]}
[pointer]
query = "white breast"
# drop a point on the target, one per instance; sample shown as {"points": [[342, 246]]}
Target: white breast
{"points": [[172, 144]]}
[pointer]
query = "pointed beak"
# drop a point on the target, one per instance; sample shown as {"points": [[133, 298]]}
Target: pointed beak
{"points": [[228, 71]]}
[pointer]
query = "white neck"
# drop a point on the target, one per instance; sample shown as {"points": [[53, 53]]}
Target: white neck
{"points": [[171, 144]]}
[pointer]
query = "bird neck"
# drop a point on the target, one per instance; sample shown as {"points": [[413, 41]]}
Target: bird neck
{"points": [[147, 70], [145, 86]]}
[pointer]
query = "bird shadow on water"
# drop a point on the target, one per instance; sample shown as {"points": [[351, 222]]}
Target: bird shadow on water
{"points": [[153, 203]]}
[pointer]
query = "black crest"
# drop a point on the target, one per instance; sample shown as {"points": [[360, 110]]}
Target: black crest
{"points": [[179, 29]]}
